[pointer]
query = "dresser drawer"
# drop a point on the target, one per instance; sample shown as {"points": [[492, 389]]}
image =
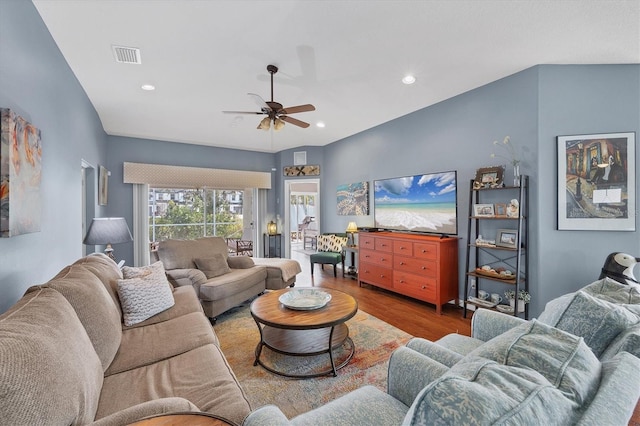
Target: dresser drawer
{"points": [[425, 250], [366, 241], [422, 288], [383, 244], [375, 257], [404, 248], [376, 275], [416, 265]]}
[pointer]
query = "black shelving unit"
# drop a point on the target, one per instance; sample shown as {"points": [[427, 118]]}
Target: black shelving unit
{"points": [[517, 258], [272, 245]]}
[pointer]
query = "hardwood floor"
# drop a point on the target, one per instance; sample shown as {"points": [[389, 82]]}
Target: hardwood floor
{"points": [[412, 316]]}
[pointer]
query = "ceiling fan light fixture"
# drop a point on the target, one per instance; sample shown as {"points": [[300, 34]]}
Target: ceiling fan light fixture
{"points": [[265, 123], [278, 124]]}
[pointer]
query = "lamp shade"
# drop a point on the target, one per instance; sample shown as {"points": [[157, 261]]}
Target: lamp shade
{"points": [[352, 227], [108, 230]]}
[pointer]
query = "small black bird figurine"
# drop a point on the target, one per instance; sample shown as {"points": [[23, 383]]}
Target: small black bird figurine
{"points": [[619, 267]]}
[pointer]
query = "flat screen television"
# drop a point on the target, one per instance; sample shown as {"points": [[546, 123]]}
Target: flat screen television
{"points": [[420, 203]]}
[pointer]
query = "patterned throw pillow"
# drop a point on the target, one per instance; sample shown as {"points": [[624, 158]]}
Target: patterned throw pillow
{"points": [[142, 298], [331, 243], [144, 292]]}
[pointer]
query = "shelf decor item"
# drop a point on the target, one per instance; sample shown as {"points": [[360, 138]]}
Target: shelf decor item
{"points": [[489, 177], [523, 298], [512, 157], [596, 182], [272, 228], [483, 210], [507, 238]]}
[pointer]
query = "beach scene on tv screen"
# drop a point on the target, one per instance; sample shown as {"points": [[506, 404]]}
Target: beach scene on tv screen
{"points": [[420, 203]]}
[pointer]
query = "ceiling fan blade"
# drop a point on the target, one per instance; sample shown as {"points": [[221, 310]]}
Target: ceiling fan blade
{"points": [[243, 112], [258, 100], [298, 108], [294, 121]]}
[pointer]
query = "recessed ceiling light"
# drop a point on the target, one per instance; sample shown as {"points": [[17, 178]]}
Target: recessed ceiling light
{"points": [[320, 124], [409, 79], [148, 87]]}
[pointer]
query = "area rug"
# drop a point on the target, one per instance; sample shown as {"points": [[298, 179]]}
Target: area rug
{"points": [[374, 341]]}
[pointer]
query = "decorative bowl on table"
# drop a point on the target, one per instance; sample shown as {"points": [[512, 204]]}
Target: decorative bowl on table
{"points": [[305, 299]]}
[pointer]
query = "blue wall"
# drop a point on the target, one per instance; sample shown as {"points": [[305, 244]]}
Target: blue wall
{"points": [[37, 83], [533, 107]]}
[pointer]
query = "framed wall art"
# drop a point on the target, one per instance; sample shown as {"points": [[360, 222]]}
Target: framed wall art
{"points": [[501, 209], [103, 186], [302, 170], [596, 182], [20, 175], [353, 199]]}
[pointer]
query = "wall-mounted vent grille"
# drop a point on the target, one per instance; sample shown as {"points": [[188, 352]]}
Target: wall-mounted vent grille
{"points": [[300, 158], [126, 55]]}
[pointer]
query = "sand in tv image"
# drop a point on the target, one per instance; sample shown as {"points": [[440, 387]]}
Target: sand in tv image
{"points": [[420, 203]]}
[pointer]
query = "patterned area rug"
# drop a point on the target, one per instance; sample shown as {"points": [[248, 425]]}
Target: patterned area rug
{"points": [[374, 341]]}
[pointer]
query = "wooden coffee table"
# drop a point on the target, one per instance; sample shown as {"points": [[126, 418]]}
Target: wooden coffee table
{"points": [[304, 333]]}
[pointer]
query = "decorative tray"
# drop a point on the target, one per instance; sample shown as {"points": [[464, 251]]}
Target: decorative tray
{"points": [[505, 309], [305, 299], [481, 302], [494, 274]]}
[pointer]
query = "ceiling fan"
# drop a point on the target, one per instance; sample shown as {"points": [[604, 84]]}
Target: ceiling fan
{"points": [[274, 111]]}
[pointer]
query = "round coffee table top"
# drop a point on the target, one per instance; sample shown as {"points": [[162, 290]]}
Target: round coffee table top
{"points": [[268, 310]]}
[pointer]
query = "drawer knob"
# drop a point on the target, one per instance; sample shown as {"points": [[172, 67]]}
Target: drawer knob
{"points": [[424, 251], [381, 276], [424, 287], [402, 263], [424, 267], [401, 281]]}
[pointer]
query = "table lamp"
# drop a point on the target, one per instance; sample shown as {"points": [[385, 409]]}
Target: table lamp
{"points": [[108, 230], [272, 228], [352, 228]]}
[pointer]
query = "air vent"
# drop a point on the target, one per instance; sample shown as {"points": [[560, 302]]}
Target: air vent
{"points": [[126, 55], [300, 158]]}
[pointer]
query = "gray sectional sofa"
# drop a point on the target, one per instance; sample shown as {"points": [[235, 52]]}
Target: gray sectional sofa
{"points": [[68, 359], [577, 364], [221, 281]]}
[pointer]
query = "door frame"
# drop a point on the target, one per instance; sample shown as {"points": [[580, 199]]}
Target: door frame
{"points": [[286, 235]]}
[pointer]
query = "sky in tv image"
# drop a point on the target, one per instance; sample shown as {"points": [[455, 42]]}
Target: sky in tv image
{"points": [[420, 203]]}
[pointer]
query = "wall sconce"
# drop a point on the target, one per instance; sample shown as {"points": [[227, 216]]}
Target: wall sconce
{"points": [[108, 230], [352, 228], [272, 228]]}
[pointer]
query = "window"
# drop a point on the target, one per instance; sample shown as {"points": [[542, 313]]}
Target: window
{"points": [[194, 213]]}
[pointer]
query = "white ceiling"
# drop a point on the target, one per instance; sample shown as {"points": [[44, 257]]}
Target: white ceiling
{"points": [[345, 57]]}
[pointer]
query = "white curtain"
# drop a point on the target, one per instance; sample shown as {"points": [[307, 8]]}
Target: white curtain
{"points": [[141, 224]]}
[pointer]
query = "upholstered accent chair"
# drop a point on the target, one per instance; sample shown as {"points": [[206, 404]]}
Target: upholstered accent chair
{"points": [[330, 251]]}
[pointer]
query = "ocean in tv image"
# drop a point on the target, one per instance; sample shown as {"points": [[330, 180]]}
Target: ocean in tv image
{"points": [[419, 203]]}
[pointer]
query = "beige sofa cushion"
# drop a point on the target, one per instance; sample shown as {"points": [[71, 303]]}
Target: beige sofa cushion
{"points": [[201, 376], [213, 266], [94, 306], [105, 269], [145, 345], [235, 282], [50, 373], [179, 254]]}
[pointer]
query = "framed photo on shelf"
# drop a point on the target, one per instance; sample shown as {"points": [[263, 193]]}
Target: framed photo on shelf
{"points": [[507, 238], [501, 209], [596, 182], [488, 177], [483, 210]]}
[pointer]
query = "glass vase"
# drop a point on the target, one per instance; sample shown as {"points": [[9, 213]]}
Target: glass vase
{"points": [[516, 174]]}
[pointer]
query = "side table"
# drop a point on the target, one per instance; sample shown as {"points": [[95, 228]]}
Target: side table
{"points": [[272, 245], [352, 272]]}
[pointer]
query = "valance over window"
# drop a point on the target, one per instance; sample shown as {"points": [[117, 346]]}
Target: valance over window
{"points": [[158, 175]]}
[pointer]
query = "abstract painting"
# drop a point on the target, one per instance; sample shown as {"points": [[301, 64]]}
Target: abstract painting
{"points": [[20, 175], [353, 199]]}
